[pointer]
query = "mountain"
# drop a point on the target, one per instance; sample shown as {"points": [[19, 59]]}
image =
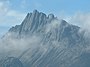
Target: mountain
{"points": [[39, 24], [47, 41]]}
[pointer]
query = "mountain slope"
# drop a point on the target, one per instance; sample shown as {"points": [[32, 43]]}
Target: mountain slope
{"points": [[11, 62]]}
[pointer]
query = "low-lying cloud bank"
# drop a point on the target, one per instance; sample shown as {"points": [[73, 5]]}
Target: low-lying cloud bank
{"points": [[15, 47]]}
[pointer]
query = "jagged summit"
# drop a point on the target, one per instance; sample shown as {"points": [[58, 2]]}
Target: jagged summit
{"points": [[37, 14], [33, 21]]}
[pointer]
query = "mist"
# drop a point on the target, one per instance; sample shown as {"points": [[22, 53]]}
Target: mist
{"points": [[82, 20], [79, 19], [14, 47]]}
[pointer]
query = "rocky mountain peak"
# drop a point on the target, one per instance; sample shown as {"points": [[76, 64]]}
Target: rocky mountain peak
{"points": [[33, 21], [38, 22]]}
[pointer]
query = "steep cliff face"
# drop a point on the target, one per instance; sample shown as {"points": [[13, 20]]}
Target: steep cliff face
{"points": [[60, 43]]}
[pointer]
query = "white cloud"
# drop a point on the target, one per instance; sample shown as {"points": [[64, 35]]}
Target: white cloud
{"points": [[79, 18], [83, 20], [9, 16], [17, 46], [3, 7], [54, 24]]}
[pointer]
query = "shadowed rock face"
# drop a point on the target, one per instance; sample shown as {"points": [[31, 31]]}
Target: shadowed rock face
{"points": [[83, 61], [11, 62]]}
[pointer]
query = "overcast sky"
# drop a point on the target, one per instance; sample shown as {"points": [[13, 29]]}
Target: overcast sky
{"points": [[12, 12]]}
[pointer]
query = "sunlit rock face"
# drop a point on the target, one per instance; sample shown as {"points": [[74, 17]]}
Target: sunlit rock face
{"points": [[45, 41]]}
